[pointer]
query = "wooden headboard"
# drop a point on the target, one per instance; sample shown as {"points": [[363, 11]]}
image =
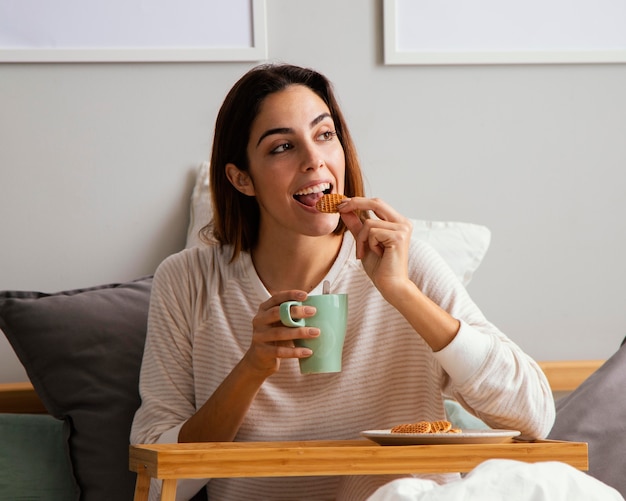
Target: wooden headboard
{"points": [[567, 375], [564, 376], [20, 398]]}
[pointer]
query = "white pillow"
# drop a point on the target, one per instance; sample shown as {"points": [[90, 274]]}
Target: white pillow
{"points": [[201, 211], [462, 245]]}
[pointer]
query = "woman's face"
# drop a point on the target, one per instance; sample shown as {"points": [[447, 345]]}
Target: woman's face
{"points": [[294, 158]]}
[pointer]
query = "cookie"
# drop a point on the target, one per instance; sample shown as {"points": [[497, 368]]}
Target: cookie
{"points": [[440, 426], [328, 203], [419, 427]]}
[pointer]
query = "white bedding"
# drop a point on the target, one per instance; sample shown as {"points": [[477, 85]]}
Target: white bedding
{"points": [[503, 479]]}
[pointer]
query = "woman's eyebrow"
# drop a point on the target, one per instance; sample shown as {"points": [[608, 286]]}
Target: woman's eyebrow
{"points": [[320, 118], [288, 130], [278, 130]]}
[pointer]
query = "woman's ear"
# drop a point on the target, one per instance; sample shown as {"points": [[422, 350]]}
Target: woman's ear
{"points": [[240, 180]]}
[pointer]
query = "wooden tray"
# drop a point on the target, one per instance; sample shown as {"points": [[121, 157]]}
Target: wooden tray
{"points": [[333, 457]]}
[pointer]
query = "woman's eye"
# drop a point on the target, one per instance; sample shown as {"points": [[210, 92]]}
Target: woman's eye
{"points": [[282, 148], [328, 135]]}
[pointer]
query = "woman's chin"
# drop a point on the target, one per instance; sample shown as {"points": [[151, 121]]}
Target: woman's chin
{"points": [[325, 228]]}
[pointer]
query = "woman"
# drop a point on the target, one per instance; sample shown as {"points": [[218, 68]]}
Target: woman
{"points": [[219, 365]]}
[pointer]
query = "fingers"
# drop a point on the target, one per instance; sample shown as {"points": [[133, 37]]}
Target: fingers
{"points": [[275, 340], [352, 222], [379, 207], [381, 235], [387, 230], [281, 297], [269, 311]]}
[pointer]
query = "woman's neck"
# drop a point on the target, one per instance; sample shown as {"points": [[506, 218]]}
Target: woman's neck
{"points": [[300, 263]]}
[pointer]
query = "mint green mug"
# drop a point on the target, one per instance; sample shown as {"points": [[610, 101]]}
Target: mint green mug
{"points": [[331, 319]]}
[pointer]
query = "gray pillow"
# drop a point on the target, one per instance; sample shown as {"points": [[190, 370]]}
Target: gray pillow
{"points": [[596, 413], [82, 351]]}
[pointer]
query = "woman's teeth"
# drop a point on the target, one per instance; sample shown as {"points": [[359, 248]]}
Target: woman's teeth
{"points": [[314, 189]]}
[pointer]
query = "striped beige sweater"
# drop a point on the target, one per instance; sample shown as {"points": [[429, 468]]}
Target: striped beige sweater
{"points": [[200, 327]]}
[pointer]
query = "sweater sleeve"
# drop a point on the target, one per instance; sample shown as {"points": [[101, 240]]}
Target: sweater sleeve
{"points": [[484, 369], [166, 379]]}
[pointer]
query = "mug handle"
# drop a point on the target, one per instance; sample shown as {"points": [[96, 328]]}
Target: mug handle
{"points": [[285, 314]]}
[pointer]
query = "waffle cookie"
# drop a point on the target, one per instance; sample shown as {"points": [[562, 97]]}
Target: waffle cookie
{"points": [[328, 203], [419, 427], [440, 426]]}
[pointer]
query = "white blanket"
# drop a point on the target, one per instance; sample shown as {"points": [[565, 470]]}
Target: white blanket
{"points": [[503, 479]]}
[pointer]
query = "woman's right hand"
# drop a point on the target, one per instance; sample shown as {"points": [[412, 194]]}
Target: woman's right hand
{"points": [[273, 341], [219, 418]]}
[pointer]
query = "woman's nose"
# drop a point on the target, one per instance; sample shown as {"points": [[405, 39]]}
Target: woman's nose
{"points": [[312, 160], [315, 164]]}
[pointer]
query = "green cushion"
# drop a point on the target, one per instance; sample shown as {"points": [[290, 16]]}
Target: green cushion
{"points": [[460, 418], [34, 461]]}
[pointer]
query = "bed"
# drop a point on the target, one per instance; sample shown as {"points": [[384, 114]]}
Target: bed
{"points": [[82, 351], [35, 442]]}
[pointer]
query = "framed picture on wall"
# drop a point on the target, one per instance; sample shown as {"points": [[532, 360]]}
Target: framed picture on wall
{"points": [[132, 30], [504, 32]]}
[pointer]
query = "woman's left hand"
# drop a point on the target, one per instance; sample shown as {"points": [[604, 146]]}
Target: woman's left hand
{"points": [[382, 242]]}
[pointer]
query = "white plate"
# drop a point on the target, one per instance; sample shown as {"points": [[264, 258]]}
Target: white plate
{"points": [[385, 437]]}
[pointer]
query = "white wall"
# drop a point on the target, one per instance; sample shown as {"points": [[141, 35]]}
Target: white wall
{"points": [[97, 162]]}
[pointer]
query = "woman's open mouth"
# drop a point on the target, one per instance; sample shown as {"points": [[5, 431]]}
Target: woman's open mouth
{"points": [[309, 196]]}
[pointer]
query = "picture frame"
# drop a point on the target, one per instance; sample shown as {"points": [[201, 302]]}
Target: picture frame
{"points": [[66, 31], [432, 32]]}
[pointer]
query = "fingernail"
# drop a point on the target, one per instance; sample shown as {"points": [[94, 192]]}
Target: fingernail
{"points": [[309, 310], [314, 332], [301, 295]]}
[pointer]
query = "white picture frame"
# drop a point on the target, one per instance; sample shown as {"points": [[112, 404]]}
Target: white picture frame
{"points": [[239, 31], [436, 32]]}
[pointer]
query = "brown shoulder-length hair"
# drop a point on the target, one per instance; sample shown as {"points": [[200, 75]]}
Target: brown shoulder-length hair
{"points": [[235, 215]]}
